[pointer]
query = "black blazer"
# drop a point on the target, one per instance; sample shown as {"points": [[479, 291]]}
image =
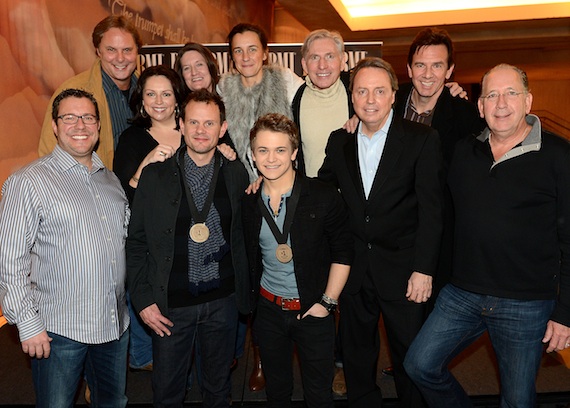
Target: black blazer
{"points": [[319, 236], [453, 118], [151, 240], [397, 230]]}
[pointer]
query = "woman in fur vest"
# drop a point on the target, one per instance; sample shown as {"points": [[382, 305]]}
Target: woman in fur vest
{"points": [[256, 89]]}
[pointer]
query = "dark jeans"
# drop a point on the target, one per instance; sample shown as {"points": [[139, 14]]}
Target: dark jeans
{"points": [[278, 331], [140, 346], [516, 328], [213, 325], [360, 338], [57, 377]]}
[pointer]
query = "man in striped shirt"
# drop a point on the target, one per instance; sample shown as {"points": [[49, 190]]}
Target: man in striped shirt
{"points": [[63, 222]]}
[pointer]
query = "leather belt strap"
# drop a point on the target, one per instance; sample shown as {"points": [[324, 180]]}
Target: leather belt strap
{"points": [[285, 304]]}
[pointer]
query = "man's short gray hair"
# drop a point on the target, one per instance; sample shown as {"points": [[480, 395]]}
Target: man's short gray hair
{"points": [[320, 35]]}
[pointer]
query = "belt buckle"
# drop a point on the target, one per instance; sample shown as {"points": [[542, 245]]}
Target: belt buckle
{"points": [[289, 304]]}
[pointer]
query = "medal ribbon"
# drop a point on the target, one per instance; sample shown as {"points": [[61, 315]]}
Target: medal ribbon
{"points": [[291, 207], [199, 217]]}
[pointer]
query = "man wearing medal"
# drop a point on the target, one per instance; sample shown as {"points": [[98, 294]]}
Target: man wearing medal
{"points": [[300, 249], [186, 261]]}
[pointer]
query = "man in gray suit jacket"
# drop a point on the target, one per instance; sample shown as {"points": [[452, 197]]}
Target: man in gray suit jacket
{"points": [[390, 175]]}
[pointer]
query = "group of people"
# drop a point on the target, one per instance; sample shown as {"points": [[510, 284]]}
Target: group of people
{"points": [[445, 218]]}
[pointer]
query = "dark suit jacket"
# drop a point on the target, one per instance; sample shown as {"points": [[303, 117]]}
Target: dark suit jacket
{"points": [[296, 108], [151, 240], [398, 229], [453, 118], [319, 237]]}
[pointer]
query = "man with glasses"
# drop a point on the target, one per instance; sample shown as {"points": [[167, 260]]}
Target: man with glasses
{"points": [[63, 223], [112, 81], [511, 273]]}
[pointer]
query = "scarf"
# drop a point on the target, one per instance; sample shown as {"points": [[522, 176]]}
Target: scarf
{"points": [[203, 258]]}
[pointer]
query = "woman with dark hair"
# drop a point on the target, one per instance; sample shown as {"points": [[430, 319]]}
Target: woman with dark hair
{"points": [[154, 135], [197, 67], [256, 89]]}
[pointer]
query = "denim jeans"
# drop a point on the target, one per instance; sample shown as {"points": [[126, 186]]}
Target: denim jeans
{"points": [[213, 325], [278, 332], [57, 377], [516, 328], [140, 346]]}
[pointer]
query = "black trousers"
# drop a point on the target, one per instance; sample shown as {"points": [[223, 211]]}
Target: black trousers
{"points": [[278, 332], [360, 339]]}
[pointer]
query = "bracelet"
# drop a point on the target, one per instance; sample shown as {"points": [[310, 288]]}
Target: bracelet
{"points": [[135, 179], [330, 307], [329, 300]]}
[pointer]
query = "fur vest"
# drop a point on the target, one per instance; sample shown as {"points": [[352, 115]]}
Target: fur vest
{"points": [[245, 105]]}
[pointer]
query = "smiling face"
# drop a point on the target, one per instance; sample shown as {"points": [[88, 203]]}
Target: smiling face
{"points": [[78, 139], [202, 129], [323, 63], [248, 56], [118, 53], [505, 115], [429, 70], [195, 71], [158, 99], [372, 97], [273, 154]]}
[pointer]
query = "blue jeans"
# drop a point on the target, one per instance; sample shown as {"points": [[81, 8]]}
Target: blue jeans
{"points": [[516, 328], [278, 332], [140, 347], [57, 377], [213, 326]]}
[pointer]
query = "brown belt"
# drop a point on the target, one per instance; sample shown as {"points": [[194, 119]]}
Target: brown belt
{"points": [[285, 304]]}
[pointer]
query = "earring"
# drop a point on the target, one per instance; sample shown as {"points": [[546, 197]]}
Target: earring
{"points": [[176, 111], [143, 112]]}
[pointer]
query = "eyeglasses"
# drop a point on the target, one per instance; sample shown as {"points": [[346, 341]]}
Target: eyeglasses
{"points": [[71, 119], [494, 96]]}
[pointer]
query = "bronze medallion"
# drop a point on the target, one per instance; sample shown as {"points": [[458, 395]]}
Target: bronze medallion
{"points": [[284, 253], [199, 233]]}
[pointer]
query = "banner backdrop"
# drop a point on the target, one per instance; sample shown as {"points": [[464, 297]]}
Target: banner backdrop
{"points": [[286, 55], [45, 42]]}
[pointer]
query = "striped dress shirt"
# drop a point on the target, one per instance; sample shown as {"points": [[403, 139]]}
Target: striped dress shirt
{"points": [[62, 250]]}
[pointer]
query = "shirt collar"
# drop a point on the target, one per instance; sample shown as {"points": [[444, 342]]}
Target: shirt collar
{"points": [[382, 131], [109, 85], [331, 90], [533, 137], [66, 162]]}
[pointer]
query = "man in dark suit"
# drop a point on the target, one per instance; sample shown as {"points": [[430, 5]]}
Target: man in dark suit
{"points": [[389, 173], [427, 100]]}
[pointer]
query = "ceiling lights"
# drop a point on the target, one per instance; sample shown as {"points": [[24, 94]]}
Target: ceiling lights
{"points": [[385, 14]]}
